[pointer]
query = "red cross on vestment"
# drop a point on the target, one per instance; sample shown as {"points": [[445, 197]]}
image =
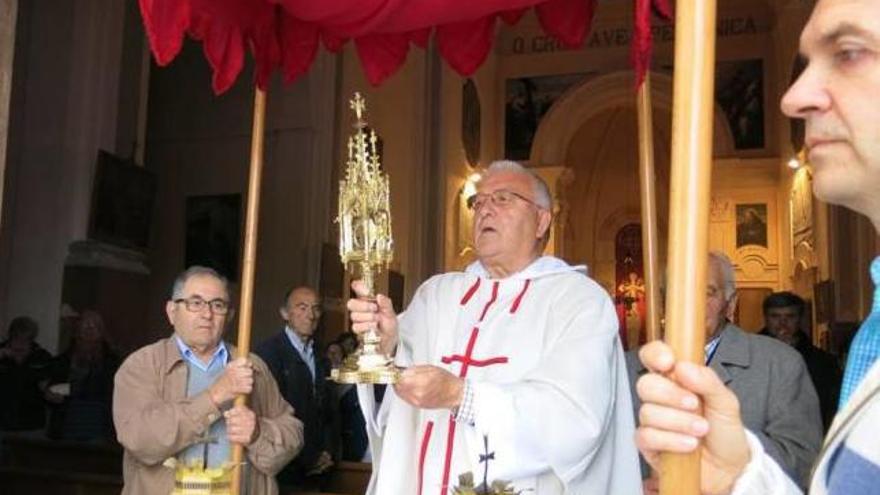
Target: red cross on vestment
{"points": [[468, 360]]}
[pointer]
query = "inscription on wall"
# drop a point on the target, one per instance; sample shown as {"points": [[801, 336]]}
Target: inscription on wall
{"points": [[620, 36]]}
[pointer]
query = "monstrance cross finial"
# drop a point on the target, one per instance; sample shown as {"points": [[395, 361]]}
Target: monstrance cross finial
{"points": [[359, 105]]}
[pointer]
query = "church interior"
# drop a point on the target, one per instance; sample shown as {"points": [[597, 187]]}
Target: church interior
{"points": [[117, 173]]}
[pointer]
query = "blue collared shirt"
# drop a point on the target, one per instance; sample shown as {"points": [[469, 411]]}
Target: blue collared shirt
{"points": [[220, 357], [213, 448], [306, 351], [711, 347]]}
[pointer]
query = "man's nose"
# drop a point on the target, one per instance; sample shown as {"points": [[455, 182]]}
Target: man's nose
{"points": [[806, 95], [207, 312], [488, 208]]}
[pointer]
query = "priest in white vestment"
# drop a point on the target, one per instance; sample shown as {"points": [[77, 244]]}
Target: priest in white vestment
{"points": [[519, 349]]}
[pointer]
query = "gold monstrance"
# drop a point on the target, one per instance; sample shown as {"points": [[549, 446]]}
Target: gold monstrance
{"points": [[365, 243]]}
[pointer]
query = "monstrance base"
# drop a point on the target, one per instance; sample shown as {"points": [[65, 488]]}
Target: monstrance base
{"points": [[388, 374]]}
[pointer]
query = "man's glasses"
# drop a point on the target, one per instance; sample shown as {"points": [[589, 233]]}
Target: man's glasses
{"points": [[501, 198], [197, 305]]}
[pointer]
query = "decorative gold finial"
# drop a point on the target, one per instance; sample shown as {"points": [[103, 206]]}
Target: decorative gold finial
{"points": [[359, 105]]}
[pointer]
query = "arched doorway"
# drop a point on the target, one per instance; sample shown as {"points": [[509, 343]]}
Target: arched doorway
{"points": [[630, 286], [591, 131]]}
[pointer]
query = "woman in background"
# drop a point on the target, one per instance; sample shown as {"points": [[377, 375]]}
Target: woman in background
{"points": [[80, 385]]}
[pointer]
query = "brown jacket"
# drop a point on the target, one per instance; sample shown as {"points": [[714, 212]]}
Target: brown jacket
{"points": [[155, 420]]}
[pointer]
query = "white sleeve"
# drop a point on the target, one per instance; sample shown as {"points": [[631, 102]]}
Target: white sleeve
{"points": [[557, 416], [376, 415], [762, 474]]}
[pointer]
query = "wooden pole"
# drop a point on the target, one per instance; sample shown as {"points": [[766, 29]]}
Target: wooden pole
{"points": [[8, 19], [689, 207], [647, 177], [249, 261]]}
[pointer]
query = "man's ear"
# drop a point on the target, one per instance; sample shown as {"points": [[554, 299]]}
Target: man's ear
{"points": [[283, 312], [544, 219], [170, 309], [730, 311]]}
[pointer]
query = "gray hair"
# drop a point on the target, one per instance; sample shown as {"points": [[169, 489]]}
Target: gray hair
{"points": [[542, 192], [195, 271], [727, 272]]}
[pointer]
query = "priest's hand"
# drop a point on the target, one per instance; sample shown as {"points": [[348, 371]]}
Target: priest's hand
{"points": [[241, 425], [379, 314], [670, 419], [430, 387]]}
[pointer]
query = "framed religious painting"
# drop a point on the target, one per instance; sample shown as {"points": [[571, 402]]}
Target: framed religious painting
{"points": [[739, 91], [740, 95], [751, 225], [526, 101]]}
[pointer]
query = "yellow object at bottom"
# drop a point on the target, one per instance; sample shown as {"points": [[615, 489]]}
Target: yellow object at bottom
{"points": [[198, 481]]}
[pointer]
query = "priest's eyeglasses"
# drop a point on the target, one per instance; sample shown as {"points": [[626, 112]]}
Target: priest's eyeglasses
{"points": [[501, 198], [197, 305]]}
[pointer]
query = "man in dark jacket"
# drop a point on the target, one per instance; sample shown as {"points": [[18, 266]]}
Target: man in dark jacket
{"points": [[783, 316], [299, 371]]}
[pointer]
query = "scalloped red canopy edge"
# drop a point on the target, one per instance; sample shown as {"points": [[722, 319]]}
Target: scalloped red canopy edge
{"points": [[284, 35]]}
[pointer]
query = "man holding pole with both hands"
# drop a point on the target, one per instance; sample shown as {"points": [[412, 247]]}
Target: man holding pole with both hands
{"points": [[172, 401]]}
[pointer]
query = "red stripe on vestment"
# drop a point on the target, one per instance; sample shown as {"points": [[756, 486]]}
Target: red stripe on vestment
{"points": [[491, 301], [466, 362], [479, 363], [447, 463], [424, 451], [520, 296], [470, 293]]}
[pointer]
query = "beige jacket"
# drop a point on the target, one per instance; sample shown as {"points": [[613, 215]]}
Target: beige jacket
{"points": [[155, 420]]}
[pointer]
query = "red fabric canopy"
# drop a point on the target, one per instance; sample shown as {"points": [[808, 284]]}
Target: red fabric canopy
{"points": [[642, 41], [285, 34]]}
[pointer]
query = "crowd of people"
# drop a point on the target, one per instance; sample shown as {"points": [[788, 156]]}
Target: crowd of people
{"points": [[788, 387], [512, 368], [173, 399], [65, 397], [70, 396]]}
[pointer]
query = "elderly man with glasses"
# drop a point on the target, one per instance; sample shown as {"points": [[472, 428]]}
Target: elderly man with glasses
{"points": [[518, 354], [172, 401]]}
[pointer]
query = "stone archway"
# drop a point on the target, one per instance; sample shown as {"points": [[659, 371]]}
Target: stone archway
{"points": [[591, 133], [585, 101]]}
